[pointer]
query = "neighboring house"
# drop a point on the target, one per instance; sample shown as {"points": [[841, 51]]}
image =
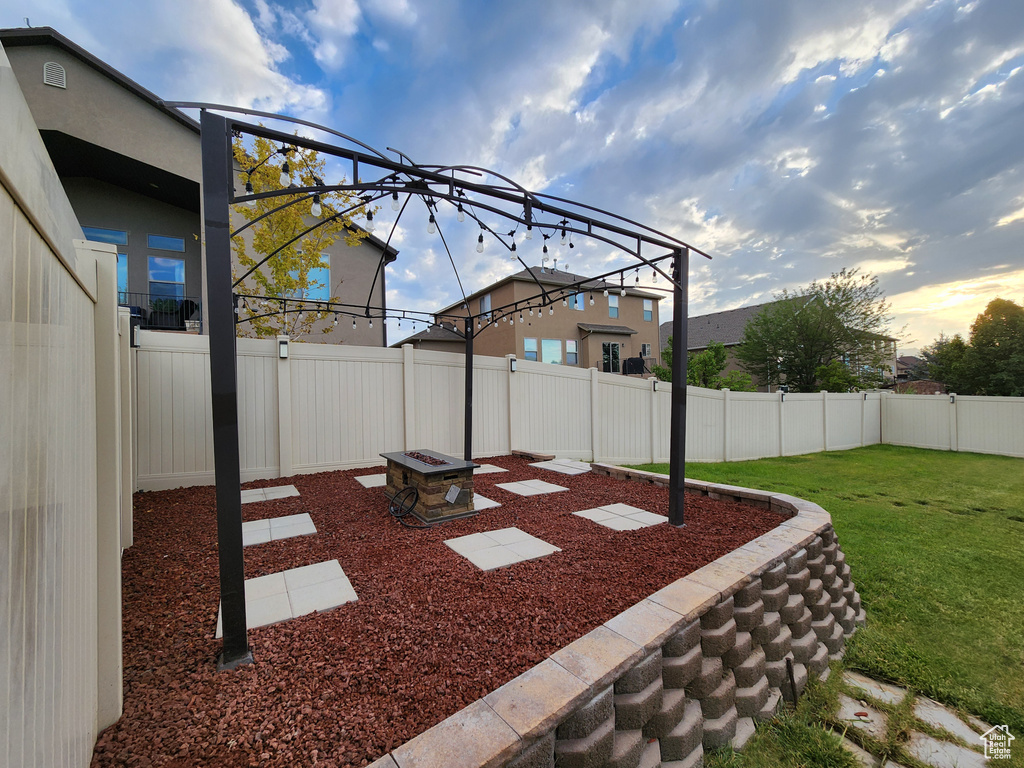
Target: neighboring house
{"points": [[601, 335], [132, 170], [727, 329], [910, 367]]}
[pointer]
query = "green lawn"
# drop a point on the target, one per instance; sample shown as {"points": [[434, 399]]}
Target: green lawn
{"points": [[935, 541]]}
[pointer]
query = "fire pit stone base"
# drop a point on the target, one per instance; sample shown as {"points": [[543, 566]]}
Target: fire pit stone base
{"points": [[445, 491]]}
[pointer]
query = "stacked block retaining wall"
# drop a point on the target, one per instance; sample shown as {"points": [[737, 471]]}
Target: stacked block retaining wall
{"points": [[692, 667]]}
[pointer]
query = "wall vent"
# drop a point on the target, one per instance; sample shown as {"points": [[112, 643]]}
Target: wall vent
{"points": [[53, 74]]}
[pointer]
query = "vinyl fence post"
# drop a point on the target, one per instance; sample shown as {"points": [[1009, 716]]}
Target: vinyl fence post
{"points": [[725, 424], [284, 413], [954, 437], [409, 394], [824, 419], [514, 438], [782, 424], [594, 412], [654, 418]]}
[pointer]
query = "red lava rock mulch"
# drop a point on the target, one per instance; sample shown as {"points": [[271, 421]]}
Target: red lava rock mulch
{"points": [[428, 635]]}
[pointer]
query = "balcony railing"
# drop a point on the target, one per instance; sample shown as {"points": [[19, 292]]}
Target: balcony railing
{"points": [[164, 313]]}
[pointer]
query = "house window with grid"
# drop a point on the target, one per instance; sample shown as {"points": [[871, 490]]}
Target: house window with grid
{"points": [[648, 310], [645, 350], [485, 306], [572, 356], [613, 305], [530, 349], [551, 351]]}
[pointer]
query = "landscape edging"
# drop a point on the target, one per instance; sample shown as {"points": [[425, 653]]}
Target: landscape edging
{"points": [[692, 666]]}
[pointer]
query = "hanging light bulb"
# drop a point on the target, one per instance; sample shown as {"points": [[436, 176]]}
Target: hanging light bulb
{"points": [[545, 248], [564, 302], [531, 311], [315, 208], [248, 191], [655, 276], [371, 322], [431, 225], [480, 243], [638, 277], [394, 201], [529, 232], [478, 325], [369, 221], [512, 253], [286, 174], [353, 323], [462, 213], [335, 323], [551, 310], [564, 235], [591, 299], [606, 293]]}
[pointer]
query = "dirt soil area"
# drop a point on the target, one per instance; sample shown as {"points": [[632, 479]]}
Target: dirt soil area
{"points": [[428, 635]]}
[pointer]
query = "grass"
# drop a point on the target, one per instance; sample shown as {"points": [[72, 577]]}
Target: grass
{"points": [[935, 541]]}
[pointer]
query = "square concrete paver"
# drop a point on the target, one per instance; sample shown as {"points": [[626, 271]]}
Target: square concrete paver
{"points": [[262, 531], [488, 550], [482, 502], [862, 717], [293, 593], [531, 487], [883, 692], [943, 754], [373, 481], [564, 466], [938, 716], [486, 469], [621, 517], [269, 494]]}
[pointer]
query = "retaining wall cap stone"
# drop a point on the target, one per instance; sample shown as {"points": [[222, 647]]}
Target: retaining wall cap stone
{"points": [[647, 624], [726, 579], [538, 699], [687, 597], [599, 657], [474, 737], [812, 522]]}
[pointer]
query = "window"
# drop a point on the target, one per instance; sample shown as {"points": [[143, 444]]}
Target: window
{"points": [[166, 277], [648, 310], [645, 350], [571, 352], [318, 284], [530, 349], [613, 305], [161, 243], [551, 351], [100, 235], [485, 305], [122, 276], [610, 356]]}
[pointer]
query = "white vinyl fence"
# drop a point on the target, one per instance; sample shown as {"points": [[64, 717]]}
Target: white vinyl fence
{"points": [[335, 407], [955, 423]]}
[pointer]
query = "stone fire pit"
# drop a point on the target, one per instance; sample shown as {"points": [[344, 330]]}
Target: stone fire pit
{"points": [[444, 483]]}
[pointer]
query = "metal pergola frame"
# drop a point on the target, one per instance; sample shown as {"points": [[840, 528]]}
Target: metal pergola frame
{"points": [[432, 184]]}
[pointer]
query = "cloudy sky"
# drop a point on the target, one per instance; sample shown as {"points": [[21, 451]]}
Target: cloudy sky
{"points": [[790, 139]]}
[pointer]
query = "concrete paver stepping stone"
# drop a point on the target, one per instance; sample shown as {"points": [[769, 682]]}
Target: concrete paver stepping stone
{"points": [[488, 550], [862, 717], [531, 487], [564, 466], [293, 593], [937, 716], [862, 756], [486, 469], [621, 517], [275, 529], [943, 754], [373, 481], [269, 494], [883, 692], [482, 502]]}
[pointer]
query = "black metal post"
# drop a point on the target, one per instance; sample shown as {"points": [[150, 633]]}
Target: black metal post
{"points": [[677, 450], [468, 453], [217, 165]]}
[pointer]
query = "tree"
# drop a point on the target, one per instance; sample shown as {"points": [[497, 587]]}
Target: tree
{"points": [[947, 361], [704, 369], [300, 268], [844, 319]]}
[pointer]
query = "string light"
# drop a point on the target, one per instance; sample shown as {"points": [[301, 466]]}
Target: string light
{"points": [[529, 232], [564, 235], [248, 191], [431, 225], [394, 201], [513, 251], [369, 221], [531, 311], [545, 248], [655, 275], [638, 277], [353, 323], [480, 243], [335, 323], [564, 302], [591, 298], [606, 293], [462, 213], [551, 310], [520, 317], [315, 209], [286, 174]]}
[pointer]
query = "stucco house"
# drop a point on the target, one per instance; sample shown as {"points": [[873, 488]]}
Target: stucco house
{"points": [[132, 169]]}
